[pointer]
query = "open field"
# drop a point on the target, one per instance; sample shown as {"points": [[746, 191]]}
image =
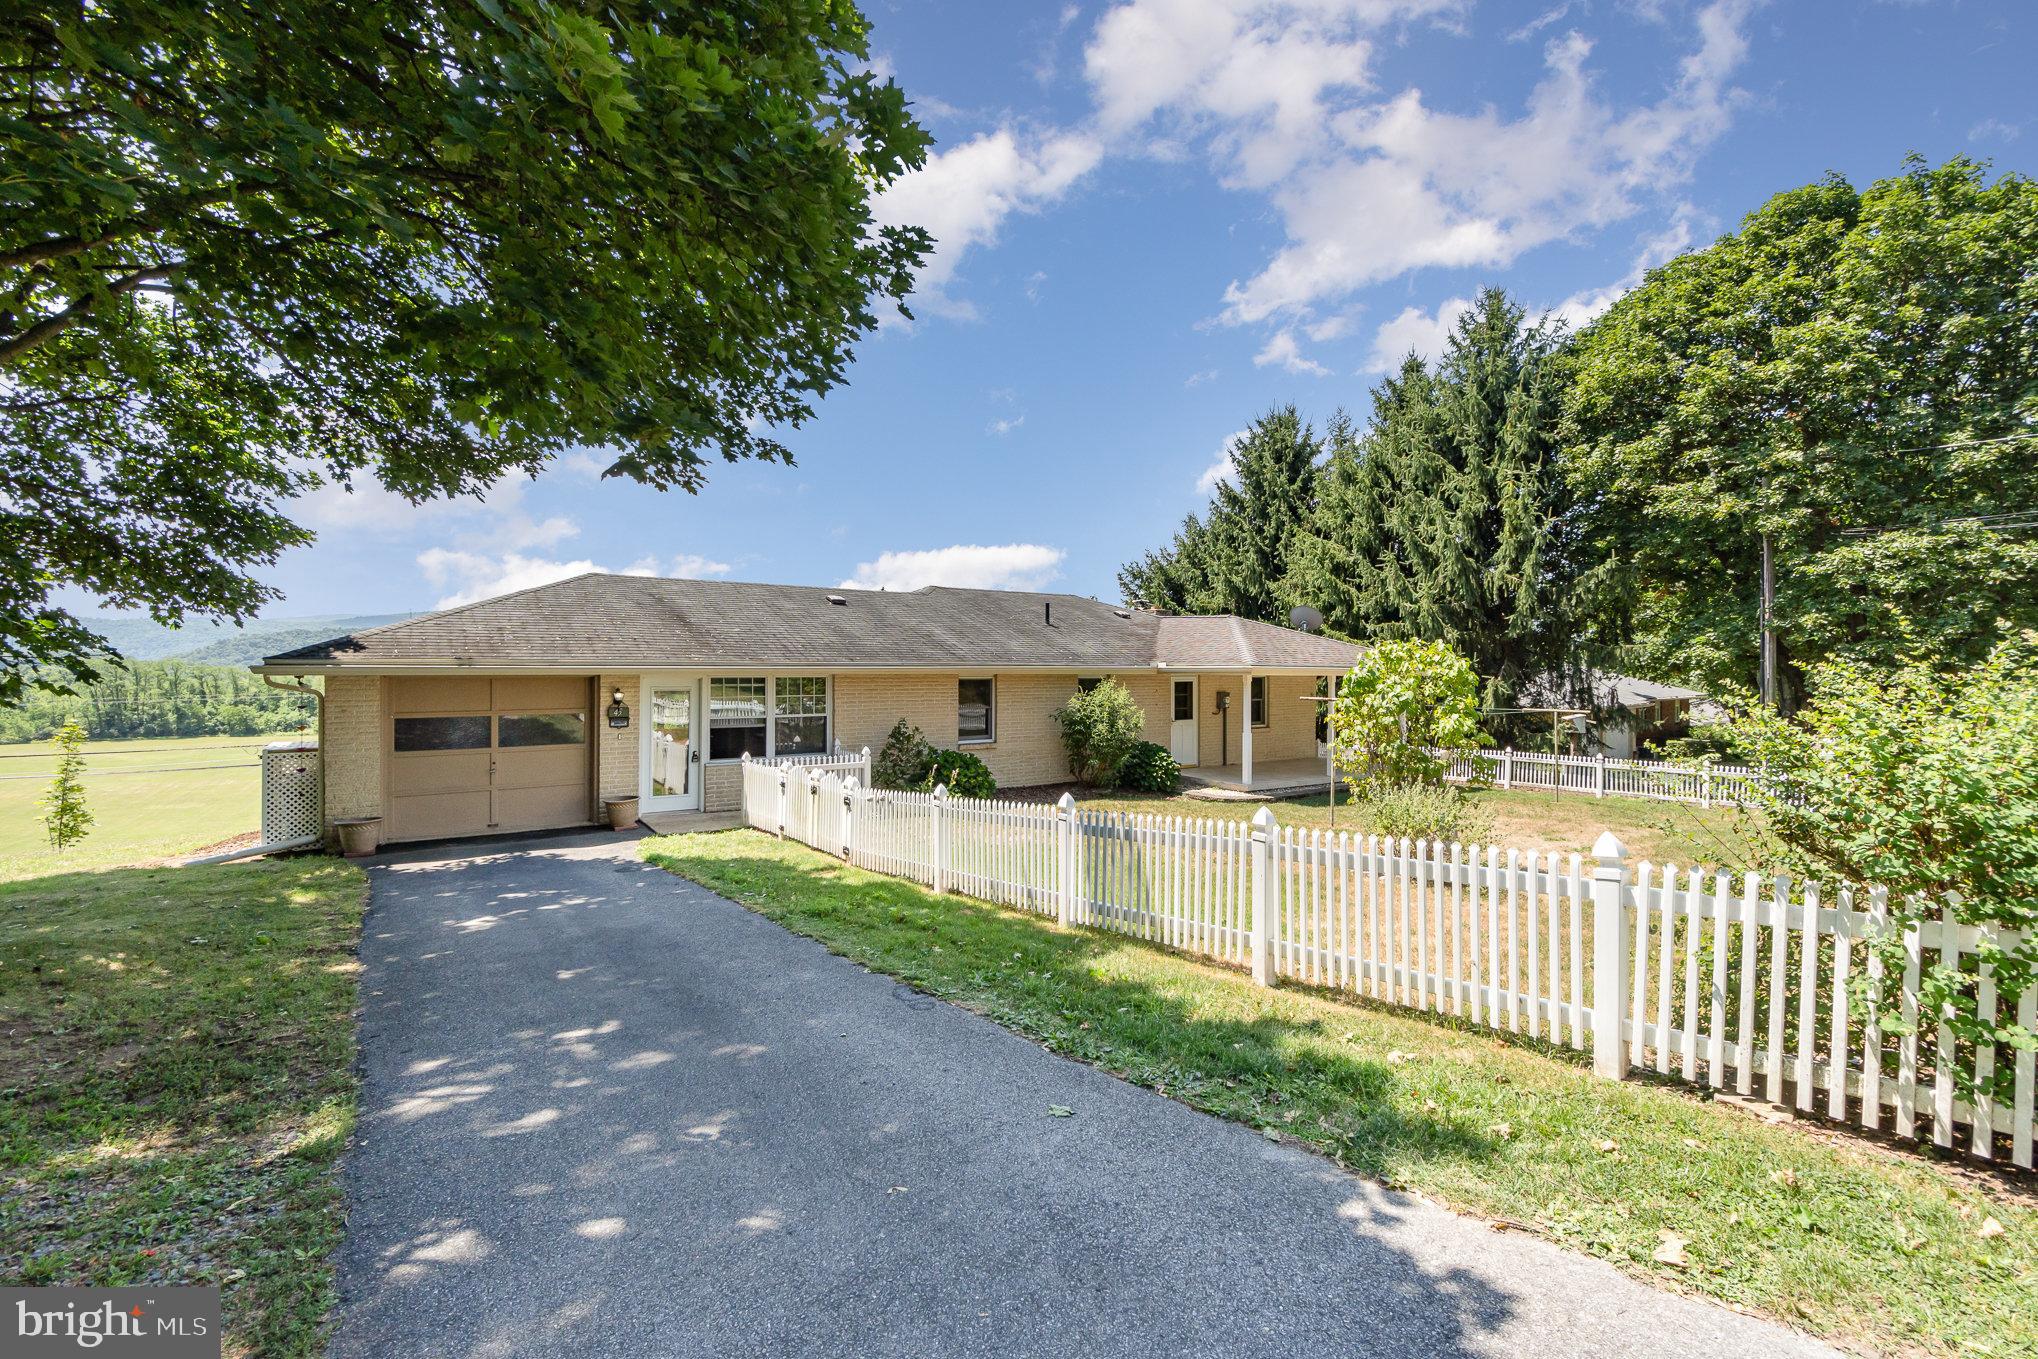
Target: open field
{"points": [[1662, 832], [1842, 1236], [150, 799], [177, 1082]]}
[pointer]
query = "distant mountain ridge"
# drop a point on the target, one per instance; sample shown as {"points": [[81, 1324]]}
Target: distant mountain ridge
{"points": [[208, 643]]}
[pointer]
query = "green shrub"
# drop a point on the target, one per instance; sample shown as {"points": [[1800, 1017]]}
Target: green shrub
{"points": [[1424, 811], [1099, 730], [904, 759], [1925, 782], [963, 773], [1150, 769], [1401, 700]]}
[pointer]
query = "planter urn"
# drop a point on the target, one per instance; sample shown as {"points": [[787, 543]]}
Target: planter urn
{"points": [[359, 835], [622, 812]]}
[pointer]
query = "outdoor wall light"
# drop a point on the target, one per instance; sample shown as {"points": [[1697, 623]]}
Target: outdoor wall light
{"points": [[619, 711]]}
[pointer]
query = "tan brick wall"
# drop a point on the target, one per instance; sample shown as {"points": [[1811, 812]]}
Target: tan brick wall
{"points": [[1290, 733], [616, 753], [1027, 750], [352, 753], [721, 788]]}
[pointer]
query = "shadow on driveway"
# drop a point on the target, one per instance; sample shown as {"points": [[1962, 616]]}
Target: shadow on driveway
{"points": [[609, 1112]]}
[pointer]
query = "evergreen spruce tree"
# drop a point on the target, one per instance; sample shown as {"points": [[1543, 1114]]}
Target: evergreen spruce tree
{"points": [[1235, 559], [1448, 521], [65, 818]]}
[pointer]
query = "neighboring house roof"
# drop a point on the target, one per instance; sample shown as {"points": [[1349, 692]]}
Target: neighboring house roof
{"points": [[643, 622], [1609, 690]]}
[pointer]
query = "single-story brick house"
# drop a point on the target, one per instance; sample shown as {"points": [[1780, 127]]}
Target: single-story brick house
{"points": [[524, 712]]}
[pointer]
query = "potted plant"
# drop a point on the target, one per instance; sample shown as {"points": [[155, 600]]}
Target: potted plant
{"points": [[622, 812], [359, 835]]}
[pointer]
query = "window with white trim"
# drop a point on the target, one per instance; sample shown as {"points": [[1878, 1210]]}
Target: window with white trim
{"points": [[1259, 700], [976, 711], [799, 715], [766, 716], [736, 718]]}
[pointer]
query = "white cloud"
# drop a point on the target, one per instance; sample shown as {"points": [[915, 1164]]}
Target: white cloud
{"points": [[1417, 330], [583, 462], [1006, 426], [693, 566], [1223, 467], [964, 194], [475, 576], [1284, 350], [1013, 566], [520, 530], [1995, 130], [1198, 379], [1371, 188], [370, 506], [1585, 306]]}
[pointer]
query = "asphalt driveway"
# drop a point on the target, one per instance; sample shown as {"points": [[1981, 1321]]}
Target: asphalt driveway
{"points": [[610, 1113]]}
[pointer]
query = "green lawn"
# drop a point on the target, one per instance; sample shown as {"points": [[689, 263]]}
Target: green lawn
{"points": [[177, 1082], [1833, 1234], [1662, 832], [150, 799]]}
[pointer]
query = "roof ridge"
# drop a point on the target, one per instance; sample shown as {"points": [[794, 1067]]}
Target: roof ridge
{"points": [[1245, 648], [472, 604]]}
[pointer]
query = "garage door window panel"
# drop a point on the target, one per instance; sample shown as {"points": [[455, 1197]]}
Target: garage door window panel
{"points": [[415, 735], [514, 730]]}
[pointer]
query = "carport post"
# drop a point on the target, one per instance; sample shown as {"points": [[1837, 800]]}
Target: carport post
{"points": [[940, 837], [1065, 858], [1263, 895]]}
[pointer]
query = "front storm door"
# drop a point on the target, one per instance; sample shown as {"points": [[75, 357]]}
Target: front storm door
{"points": [[1182, 731], [673, 767]]}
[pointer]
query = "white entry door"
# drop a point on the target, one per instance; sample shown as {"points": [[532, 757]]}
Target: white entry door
{"points": [[1182, 731], [672, 746]]}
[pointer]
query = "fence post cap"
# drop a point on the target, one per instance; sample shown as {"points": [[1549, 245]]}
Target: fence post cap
{"points": [[1609, 850], [1066, 802], [941, 790], [1263, 819]]}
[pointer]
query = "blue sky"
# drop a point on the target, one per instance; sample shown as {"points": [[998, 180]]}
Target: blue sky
{"points": [[1159, 218]]}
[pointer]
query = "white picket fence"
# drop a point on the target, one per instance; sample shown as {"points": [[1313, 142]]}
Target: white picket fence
{"points": [[1736, 984], [1603, 776]]}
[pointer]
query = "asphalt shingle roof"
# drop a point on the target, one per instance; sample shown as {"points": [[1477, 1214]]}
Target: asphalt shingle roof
{"points": [[643, 622]]}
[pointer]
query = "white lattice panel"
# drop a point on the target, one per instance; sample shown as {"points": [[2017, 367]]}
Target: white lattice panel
{"points": [[290, 804]]}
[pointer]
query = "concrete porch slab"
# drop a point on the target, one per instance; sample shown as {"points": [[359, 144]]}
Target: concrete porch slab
{"points": [[691, 823]]}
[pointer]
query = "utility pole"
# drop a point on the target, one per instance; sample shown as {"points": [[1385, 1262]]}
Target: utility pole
{"points": [[1772, 698]]}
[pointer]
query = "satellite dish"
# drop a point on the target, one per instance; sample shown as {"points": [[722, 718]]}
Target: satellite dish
{"points": [[1305, 618]]}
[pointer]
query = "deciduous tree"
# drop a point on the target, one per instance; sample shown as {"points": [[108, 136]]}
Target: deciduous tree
{"points": [[246, 249], [1849, 373]]}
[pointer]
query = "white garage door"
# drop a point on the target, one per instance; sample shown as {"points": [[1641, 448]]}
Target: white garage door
{"points": [[478, 756]]}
